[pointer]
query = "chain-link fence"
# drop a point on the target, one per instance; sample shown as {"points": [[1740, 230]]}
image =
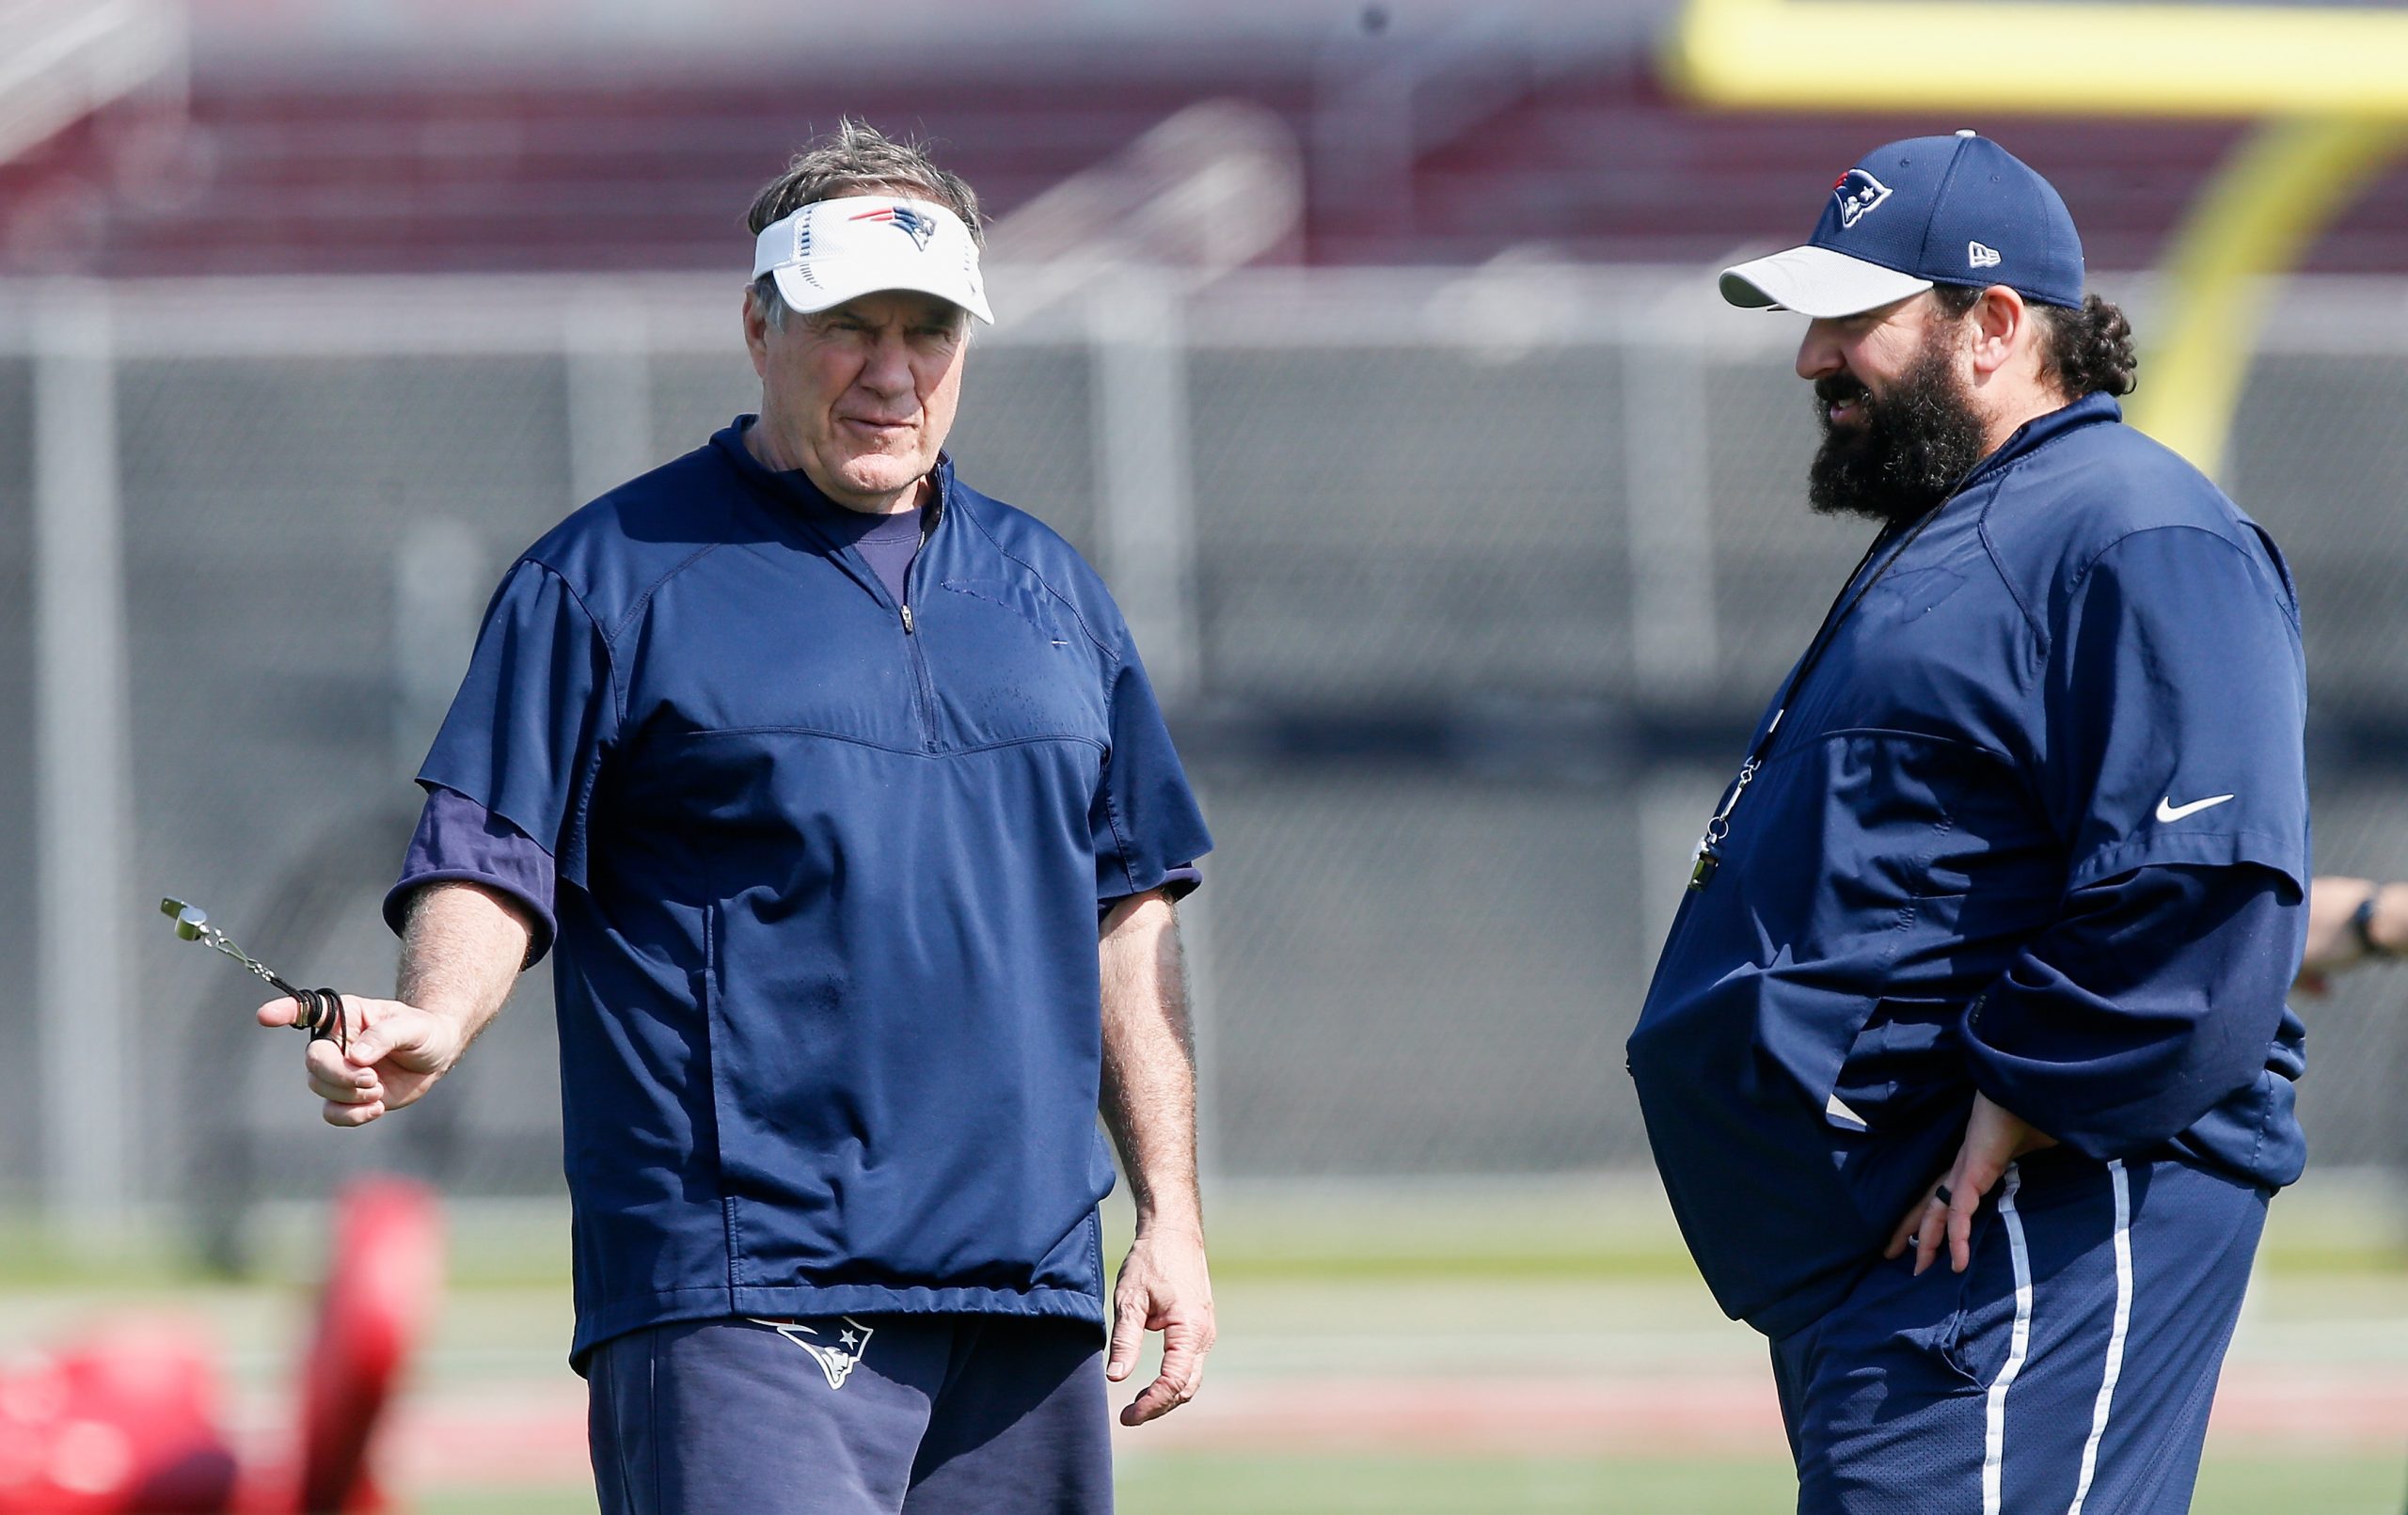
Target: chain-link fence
{"points": [[1466, 586]]}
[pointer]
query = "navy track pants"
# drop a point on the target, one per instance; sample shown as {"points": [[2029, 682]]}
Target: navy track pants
{"points": [[2070, 1369], [874, 1415]]}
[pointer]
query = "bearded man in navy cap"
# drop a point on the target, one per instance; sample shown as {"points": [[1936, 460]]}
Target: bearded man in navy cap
{"points": [[1966, 1064]]}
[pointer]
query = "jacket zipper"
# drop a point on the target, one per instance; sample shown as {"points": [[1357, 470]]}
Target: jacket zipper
{"points": [[924, 688]]}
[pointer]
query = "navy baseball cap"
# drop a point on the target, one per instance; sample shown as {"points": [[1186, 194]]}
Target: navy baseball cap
{"points": [[1930, 209]]}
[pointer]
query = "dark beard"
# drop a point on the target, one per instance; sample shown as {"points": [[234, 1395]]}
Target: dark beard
{"points": [[1915, 443]]}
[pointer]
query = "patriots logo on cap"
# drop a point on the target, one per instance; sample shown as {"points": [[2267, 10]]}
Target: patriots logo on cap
{"points": [[903, 218], [1858, 192]]}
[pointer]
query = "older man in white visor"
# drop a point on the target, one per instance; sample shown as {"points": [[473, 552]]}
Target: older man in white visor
{"points": [[840, 789], [870, 274]]}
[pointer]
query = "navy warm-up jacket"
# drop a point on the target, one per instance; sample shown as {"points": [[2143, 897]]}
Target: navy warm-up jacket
{"points": [[828, 872], [2035, 824]]}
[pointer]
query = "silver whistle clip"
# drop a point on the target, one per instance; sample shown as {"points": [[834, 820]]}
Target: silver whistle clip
{"points": [[320, 1009]]}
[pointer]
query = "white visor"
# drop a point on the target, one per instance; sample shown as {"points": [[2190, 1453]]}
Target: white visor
{"points": [[1816, 282], [832, 251]]}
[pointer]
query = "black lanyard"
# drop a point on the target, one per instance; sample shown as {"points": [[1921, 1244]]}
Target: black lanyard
{"points": [[1842, 605]]}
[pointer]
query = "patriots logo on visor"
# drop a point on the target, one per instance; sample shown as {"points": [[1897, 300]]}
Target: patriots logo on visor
{"points": [[1858, 192], [906, 220]]}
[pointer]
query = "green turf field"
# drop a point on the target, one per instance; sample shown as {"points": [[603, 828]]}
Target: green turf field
{"points": [[1373, 1345], [1225, 1485], [1650, 1486]]}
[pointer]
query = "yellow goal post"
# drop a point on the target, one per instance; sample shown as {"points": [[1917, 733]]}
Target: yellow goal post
{"points": [[2328, 83]]}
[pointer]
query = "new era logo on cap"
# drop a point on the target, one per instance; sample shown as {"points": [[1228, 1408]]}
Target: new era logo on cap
{"points": [[1933, 195]]}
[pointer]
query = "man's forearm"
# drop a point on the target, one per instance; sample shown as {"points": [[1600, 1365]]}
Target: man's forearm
{"points": [[2157, 995], [1149, 1060], [2339, 936], [461, 952]]}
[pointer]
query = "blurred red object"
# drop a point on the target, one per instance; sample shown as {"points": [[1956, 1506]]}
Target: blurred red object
{"points": [[382, 1283], [125, 1421]]}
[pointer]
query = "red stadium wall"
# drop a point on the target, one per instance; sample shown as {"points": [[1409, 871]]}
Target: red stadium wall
{"points": [[1589, 160]]}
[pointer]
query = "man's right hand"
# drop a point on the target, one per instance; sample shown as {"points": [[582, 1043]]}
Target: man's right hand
{"points": [[461, 950], [396, 1053]]}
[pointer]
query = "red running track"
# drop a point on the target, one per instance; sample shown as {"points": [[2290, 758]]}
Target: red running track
{"points": [[535, 1434]]}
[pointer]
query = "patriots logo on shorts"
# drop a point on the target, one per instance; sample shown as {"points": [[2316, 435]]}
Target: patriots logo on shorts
{"points": [[837, 1358], [904, 219], [1858, 192]]}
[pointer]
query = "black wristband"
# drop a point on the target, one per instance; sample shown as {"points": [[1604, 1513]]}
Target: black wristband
{"points": [[2362, 925]]}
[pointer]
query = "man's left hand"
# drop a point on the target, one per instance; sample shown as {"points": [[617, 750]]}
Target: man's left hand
{"points": [[1164, 1287], [1994, 1137]]}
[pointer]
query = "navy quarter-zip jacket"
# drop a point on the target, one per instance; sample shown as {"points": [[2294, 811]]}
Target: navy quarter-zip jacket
{"points": [[2036, 824], [827, 874]]}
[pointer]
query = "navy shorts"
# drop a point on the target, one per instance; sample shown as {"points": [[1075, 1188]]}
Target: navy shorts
{"points": [[2069, 1369], [873, 1414]]}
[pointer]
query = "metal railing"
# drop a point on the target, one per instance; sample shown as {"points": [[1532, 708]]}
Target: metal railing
{"points": [[1463, 585], [66, 58]]}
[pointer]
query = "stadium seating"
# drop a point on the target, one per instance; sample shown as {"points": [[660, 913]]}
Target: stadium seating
{"points": [[1592, 159]]}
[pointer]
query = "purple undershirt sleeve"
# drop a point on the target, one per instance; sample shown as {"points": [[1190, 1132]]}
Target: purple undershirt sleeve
{"points": [[460, 841]]}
